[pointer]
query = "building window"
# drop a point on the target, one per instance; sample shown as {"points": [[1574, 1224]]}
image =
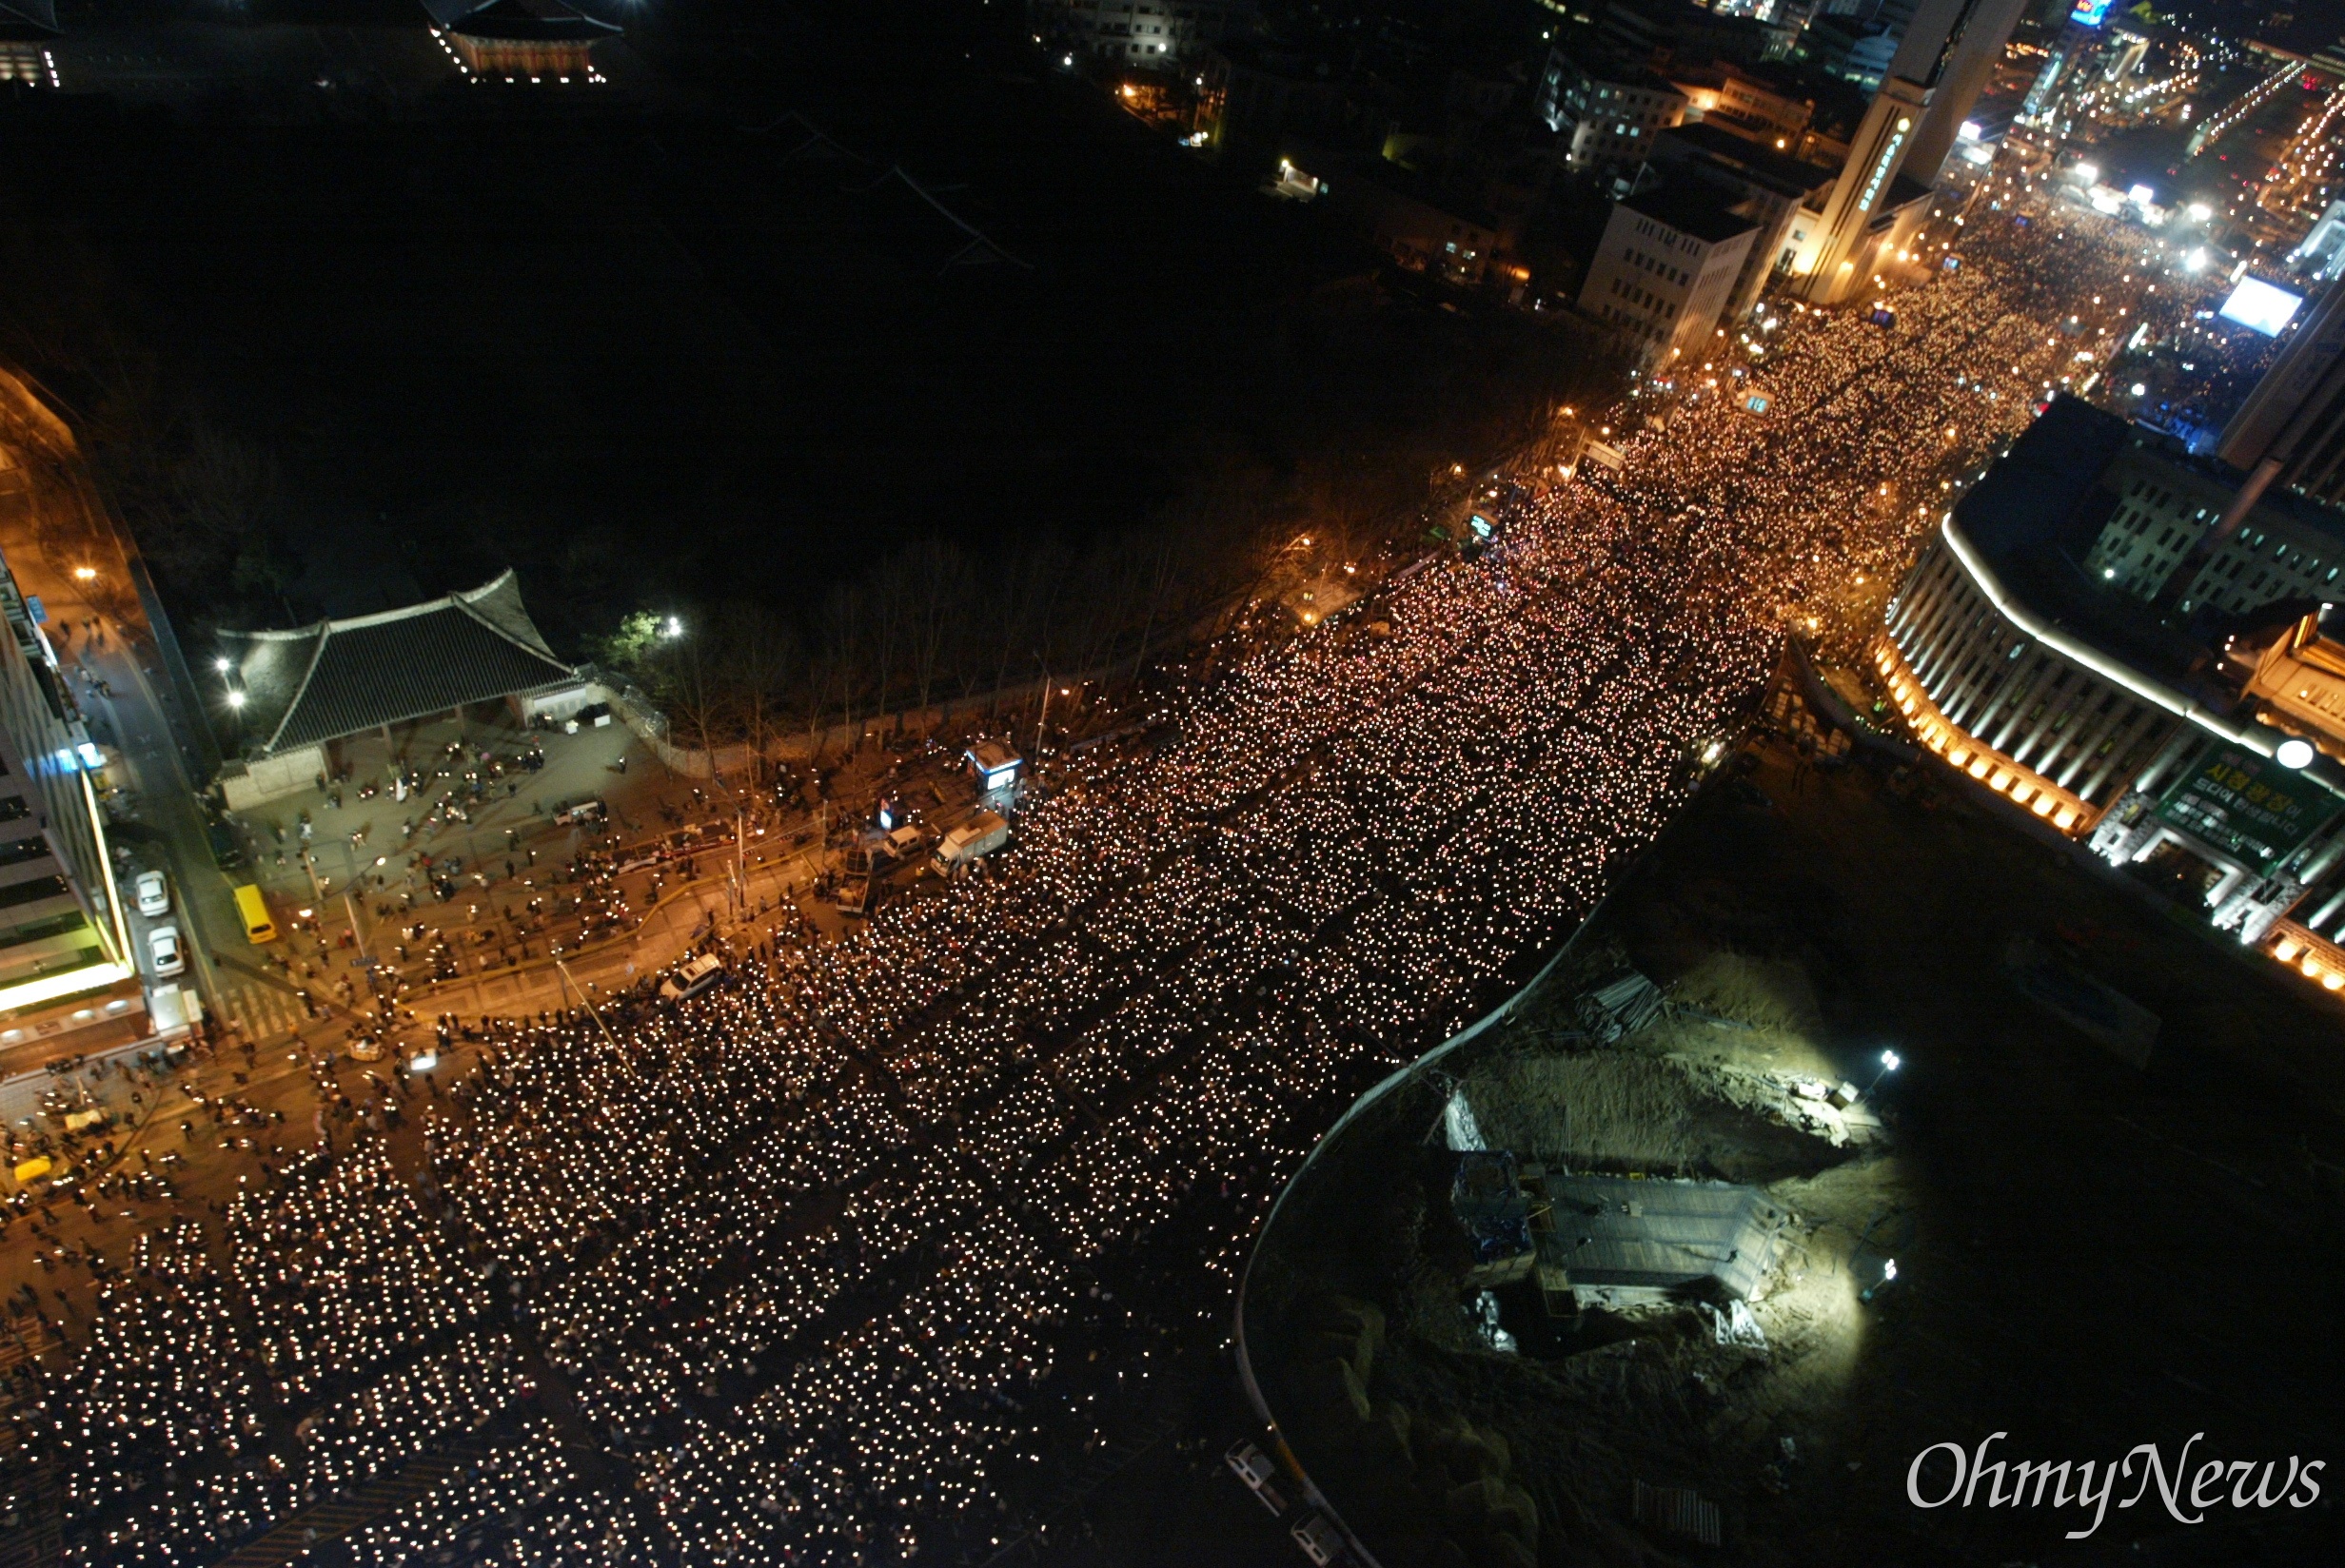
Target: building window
{"points": [[34, 890]]}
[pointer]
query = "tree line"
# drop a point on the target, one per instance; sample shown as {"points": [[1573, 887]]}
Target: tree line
{"points": [[934, 622]]}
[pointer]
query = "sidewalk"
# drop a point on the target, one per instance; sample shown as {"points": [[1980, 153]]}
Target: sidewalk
{"points": [[478, 930]]}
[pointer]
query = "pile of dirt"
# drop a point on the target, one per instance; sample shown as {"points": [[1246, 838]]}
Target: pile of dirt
{"points": [[1440, 1484], [1629, 1111]]}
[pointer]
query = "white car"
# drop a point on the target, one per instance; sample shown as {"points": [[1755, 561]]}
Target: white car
{"points": [[163, 943], [154, 894], [694, 977]]}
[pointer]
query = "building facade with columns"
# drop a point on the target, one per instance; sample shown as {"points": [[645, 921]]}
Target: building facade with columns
{"points": [[2207, 755]]}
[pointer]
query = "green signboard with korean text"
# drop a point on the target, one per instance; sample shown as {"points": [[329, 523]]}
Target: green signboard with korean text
{"points": [[2247, 805]]}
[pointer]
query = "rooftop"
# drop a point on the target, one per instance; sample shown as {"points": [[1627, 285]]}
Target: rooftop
{"points": [[1616, 69], [548, 20], [1617, 1232], [24, 21], [2035, 517], [337, 677], [1753, 161], [1698, 212]]}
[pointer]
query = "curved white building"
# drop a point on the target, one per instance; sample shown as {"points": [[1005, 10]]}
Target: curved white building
{"points": [[2061, 689]]}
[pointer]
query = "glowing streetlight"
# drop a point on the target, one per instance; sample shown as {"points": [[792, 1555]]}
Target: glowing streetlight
{"points": [[236, 699], [1890, 1062]]}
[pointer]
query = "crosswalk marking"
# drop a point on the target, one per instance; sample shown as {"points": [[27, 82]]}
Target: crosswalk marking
{"points": [[262, 1012]]}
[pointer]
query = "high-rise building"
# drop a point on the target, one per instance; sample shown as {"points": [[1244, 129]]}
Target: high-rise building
{"points": [[1605, 110], [1666, 269], [1956, 69], [61, 929], [2021, 653], [2321, 256], [2291, 430], [1143, 32], [1847, 234], [1771, 188], [1942, 62]]}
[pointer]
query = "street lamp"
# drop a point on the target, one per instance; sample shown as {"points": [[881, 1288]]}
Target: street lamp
{"points": [[1890, 1062], [236, 699]]}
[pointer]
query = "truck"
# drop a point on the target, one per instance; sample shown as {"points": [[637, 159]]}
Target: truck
{"points": [[972, 842], [1252, 1466], [1319, 1539]]}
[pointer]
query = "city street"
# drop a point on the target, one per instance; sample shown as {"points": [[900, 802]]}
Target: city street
{"points": [[1175, 638], [888, 1211]]}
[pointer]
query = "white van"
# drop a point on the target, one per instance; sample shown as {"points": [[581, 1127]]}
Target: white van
{"points": [[692, 977]]}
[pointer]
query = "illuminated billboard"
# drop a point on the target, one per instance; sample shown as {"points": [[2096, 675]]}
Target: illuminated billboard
{"points": [[2260, 307], [2090, 14], [2246, 805]]}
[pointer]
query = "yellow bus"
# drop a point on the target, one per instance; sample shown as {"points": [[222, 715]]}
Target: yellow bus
{"points": [[257, 926]]}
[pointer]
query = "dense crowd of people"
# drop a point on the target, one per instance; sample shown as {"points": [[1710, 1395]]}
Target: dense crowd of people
{"points": [[827, 1264]]}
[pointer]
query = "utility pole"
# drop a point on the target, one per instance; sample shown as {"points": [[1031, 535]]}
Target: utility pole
{"points": [[358, 932], [592, 1011]]}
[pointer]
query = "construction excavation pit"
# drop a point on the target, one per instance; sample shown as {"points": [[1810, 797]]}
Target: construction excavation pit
{"points": [[1778, 1175]]}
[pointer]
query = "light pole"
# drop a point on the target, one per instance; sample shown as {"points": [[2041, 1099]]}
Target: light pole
{"points": [[235, 696], [596, 1014], [1890, 1062]]}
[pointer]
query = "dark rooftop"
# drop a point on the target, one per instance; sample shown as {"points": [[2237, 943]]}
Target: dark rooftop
{"points": [[2035, 517], [1754, 161], [1697, 212], [24, 21], [337, 677], [1617, 1232], [547, 20], [1617, 69]]}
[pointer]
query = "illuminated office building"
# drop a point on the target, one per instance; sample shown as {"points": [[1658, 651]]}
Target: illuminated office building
{"points": [[61, 932], [1941, 65], [2027, 650]]}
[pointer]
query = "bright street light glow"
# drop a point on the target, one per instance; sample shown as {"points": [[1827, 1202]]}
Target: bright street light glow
{"points": [[236, 699], [2295, 752], [1890, 1061]]}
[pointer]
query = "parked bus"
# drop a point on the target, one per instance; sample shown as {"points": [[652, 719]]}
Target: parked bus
{"points": [[259, 928]]}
